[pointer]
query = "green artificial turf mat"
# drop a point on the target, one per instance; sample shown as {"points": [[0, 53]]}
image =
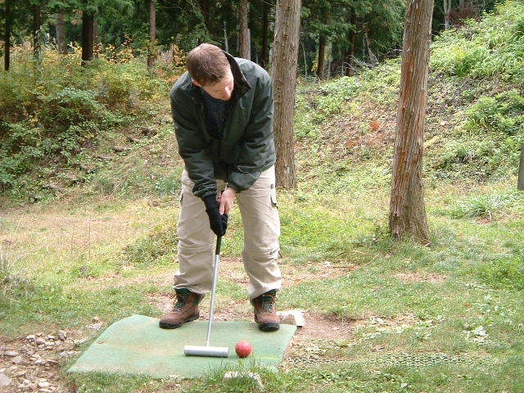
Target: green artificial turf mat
{"points": [[136, 345]]}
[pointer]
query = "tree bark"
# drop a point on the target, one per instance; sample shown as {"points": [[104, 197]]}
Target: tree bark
{"points": [[88, 31], [61, 34], [321, 65], [352, 44], [151, 57], [7, 34], [265, 34], [407, 215], [37, 26], [245, 42], [446, 4], [284, 72]]}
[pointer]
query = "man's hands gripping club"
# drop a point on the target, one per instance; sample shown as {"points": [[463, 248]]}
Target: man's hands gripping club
{"points": [[218, 211]]}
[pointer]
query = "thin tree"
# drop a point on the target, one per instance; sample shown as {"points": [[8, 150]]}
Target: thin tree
{"points": [[61, 43], [407, 216], [284, 72], [446, 5], [37, 29], [88, 36], [245, 39], [322, 43], [266, 10], [151, 57], [7, 34]]}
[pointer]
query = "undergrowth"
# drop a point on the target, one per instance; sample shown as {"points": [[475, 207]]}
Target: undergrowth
{"points": [[54, 110]]}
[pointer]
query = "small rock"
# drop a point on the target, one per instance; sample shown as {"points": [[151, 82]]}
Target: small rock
{"points": [[96, 326], [43, 384], [120, 149], [5, 381], [25, 382], [11, 354]]}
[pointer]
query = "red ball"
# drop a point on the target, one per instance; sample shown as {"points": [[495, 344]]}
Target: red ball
{"points": [[243, 349]]}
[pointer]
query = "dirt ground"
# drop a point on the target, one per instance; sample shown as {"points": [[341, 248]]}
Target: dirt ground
{"points": [[37, 362]]}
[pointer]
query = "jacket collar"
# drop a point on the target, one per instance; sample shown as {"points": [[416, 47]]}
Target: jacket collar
{"points": [[242, 86]]}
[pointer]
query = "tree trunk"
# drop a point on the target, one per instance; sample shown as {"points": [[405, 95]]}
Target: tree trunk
{"points": [[7, 34], [151, 57], [373, 60], [350, 56], [284, 72], [446, 4], [226, 41], [37, 27], [407, 216], [321, 65], [61, 43], [265, 34], [88, 27], [204, 9], [245, 43]]}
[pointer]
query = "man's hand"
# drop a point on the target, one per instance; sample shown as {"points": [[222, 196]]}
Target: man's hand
{"points": [[226, 200], [217, 221]]}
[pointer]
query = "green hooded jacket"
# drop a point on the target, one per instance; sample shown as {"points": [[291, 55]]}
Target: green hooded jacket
{"points": [[247, 147]]}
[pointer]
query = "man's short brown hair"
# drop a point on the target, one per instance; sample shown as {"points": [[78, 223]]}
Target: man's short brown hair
{"points": [[207, 64]]}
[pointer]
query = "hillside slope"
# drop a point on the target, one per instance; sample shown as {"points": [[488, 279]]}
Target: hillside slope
{"points": [[474, 126], [475, 117]]}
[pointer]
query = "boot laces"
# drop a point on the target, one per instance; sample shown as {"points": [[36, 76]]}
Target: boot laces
{"points": [[181, 301], [267, 302]]}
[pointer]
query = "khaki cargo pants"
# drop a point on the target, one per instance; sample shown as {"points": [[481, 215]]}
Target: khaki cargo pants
{"points": [[260, 219]]}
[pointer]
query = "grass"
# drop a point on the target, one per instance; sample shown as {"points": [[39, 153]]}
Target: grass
{"points": [[423, 319]]}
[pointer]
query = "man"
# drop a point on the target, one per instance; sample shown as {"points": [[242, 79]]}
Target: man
{"points": [[223, 113]]}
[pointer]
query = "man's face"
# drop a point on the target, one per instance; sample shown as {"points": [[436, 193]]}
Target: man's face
{"points": [[222, 90]]}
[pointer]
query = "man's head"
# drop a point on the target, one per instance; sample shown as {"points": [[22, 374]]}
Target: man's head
{"points": [[208, 66]]}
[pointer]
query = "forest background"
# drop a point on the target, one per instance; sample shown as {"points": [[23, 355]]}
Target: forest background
{"points": [[337, 36]]}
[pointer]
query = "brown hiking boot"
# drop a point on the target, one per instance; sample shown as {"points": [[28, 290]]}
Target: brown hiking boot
{"points": [[184, 310], [265, 311]]}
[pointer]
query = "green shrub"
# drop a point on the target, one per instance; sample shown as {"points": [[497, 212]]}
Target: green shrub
{"points": [[68, 107], [502, 113], [483, 206], [54, 109], [159, 244], [13, 280], [484, 49], [505, 273]]}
